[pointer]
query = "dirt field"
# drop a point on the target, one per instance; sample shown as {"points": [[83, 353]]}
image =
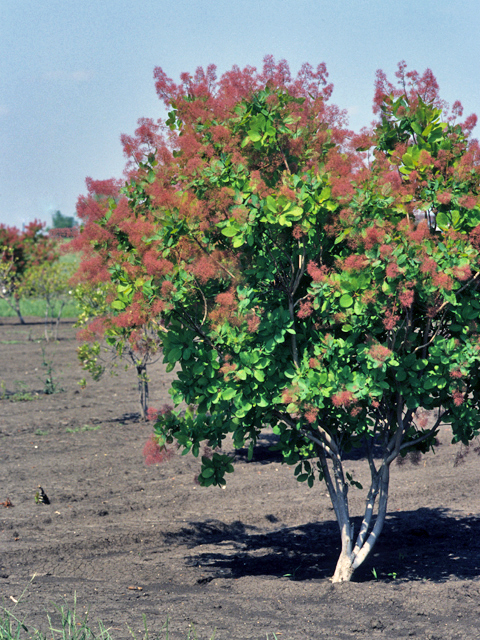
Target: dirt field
{"points": [[250, 560]]}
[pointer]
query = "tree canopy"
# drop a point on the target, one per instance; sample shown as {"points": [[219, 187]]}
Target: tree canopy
{"points": [[19, 252], [305, 278]]}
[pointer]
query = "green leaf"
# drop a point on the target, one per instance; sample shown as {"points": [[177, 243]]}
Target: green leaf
{"points": [[346, 301], [443, 221], [295, 212], [230, 231], [254, 135], [408, 160], [229, 393]]}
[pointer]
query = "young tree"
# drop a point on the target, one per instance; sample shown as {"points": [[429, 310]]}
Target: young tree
{"points": [[60, 221], [48, 281], [20, 250], [106, 340], [318, 282], [105, 344]]}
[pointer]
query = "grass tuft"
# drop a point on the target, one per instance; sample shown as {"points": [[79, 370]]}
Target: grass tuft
{"points": [[69, 626]]}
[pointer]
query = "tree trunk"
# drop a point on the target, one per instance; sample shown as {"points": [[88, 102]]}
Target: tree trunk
{"points": [[46, 324], [57, 319], [344, 569], [142, 390], [351, 557], [16, 308]]}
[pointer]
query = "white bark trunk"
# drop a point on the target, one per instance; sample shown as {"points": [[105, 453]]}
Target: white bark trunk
{"points": [[344, 569], [351, 557]]}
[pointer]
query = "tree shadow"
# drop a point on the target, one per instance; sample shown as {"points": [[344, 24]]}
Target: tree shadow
{"points": [[426, 544], [263, 454]]}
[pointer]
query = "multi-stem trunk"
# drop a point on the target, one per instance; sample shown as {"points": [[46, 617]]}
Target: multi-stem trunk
{"points": [[355, 550], [390, 433]]}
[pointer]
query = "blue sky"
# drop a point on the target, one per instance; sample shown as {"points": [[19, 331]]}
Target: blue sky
{"points": [[76, 75]]}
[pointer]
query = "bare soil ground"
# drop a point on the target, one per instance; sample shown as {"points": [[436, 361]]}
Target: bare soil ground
{"points": [[252, 559]]}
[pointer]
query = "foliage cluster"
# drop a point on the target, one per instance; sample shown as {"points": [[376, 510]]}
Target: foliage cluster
{"points": [[305, 278], [106, 345], [60, 221], [50, 282], [20, 251]]}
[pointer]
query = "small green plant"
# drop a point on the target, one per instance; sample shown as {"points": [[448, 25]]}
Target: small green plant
{"points": [[39, 432], [20, 395], [374, 573], [86, 427], [72, 627], [20, 386], [89, 427], [50, 385], [392, 575], [293, 574]]}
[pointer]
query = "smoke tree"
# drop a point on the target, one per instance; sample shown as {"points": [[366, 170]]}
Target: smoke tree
{"points": [[20, 251], [106, 340], [320, 283]]}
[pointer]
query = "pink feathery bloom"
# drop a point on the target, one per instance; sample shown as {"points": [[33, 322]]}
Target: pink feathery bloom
{"points": [[386, 250], [318, 274], [288, 395], [379, 352], [428, 266], [469, 202], [343, 399], [204, 269], [311, 415], [373, 236], [442, 281], [444, 197], [253, 322], [354, 263], [456, 373], [406, 298], [297, 232], [390, 320], [152, 414], [306, 308], [458, 397], [425, 158], [369, 296], [392, 270], [421, 232], [167, 288], [227, 369], [462, 272], [154, 453]]}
